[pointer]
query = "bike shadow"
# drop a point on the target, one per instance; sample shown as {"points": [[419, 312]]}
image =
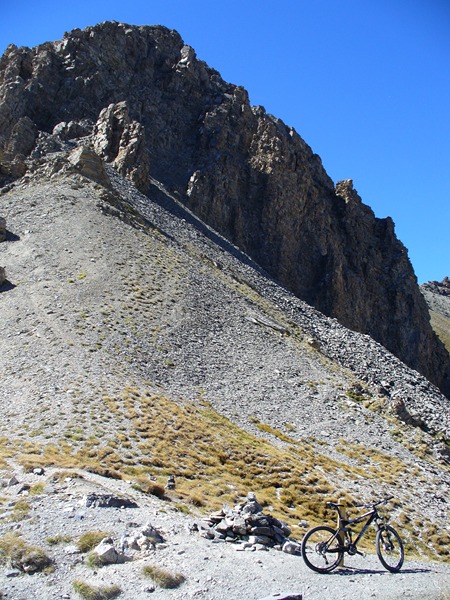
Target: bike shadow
{"points": [[6, 286], [345, 571]]}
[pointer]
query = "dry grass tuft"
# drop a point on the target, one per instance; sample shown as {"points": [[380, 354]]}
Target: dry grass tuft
{"points": [[92, 592], [90, 539], [22, 556], [215, 462], [162, 577]]}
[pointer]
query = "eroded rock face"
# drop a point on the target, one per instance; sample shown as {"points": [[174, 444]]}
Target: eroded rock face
{"points": [[121, 141], [144, 102], [442, 288]]}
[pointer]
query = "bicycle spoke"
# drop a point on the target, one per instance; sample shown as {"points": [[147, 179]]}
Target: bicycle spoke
{"points": [[321, 550], [390, 548]]}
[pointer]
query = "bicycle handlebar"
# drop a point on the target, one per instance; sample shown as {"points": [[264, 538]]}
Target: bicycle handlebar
{"points": [[371, 505]]}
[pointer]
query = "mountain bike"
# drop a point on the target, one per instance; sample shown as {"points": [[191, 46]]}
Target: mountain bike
{"points": [[323, 547]]}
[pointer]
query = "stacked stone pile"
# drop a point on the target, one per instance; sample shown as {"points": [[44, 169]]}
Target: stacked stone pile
{"points": [[141, 539], [248, 525]]}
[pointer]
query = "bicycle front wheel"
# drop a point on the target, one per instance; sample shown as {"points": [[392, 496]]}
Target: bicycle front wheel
{"points": [[321, 549], [390, 548]]}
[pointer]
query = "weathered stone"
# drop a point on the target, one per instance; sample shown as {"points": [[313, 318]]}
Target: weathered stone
{"points": [[13, 573], [267, 531], [152, 534], [106, 552], [223, 526], [260, 539], [22, 138], [252, 508], [291, 547], [239, 526], [2, 275], [24, 488], [121, 141], [108, 501], [89, 164], [73, 129], [170, 485]]}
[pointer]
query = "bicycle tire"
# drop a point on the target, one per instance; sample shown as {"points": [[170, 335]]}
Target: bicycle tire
{"points": [[320, 545], [390, 548]]}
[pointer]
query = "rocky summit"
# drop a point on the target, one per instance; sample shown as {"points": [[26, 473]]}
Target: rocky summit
{"points": [[155, 111], [203, 341]]}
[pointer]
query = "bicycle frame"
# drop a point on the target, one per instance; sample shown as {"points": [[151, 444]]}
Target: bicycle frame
{"points": [[371, 516]]}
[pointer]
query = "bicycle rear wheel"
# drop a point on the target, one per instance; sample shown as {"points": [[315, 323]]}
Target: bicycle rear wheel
{"points": [[390, 548], [321, 549]]}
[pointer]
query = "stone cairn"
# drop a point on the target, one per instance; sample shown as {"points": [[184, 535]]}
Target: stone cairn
{"points": [[248, 526]]}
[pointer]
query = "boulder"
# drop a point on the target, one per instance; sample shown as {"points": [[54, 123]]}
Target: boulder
{"points": [[89, 164], [108, 501], [152, 534], [106, 553]]}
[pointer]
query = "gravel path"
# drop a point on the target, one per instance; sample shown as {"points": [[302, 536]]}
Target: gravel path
{"points": [[213, 571]]}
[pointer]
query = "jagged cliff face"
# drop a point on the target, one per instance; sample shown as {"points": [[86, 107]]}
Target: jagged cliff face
{"points": [[147, 105], [437, 297]]}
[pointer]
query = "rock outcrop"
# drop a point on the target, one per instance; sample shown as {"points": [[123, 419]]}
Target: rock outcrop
{"points": [[441, 288], [437, 297], [144, 102]]}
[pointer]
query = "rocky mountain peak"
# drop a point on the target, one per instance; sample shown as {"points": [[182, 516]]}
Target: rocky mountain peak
{"points": [[442, 288], [149, 107]]}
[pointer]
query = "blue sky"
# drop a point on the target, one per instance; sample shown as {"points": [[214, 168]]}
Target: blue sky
{"points": [[366, 83]]}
